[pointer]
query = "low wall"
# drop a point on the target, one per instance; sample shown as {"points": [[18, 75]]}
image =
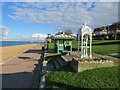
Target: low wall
{"points": [[80, 66]]}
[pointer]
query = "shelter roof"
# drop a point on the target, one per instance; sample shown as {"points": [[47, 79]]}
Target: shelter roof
{"points": [[63, 36]]}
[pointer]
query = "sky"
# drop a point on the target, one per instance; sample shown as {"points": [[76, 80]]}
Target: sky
{"points": [[25, 21]]}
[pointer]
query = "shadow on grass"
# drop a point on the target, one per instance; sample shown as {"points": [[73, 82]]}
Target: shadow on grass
{"points": [[60, 85], [66, 68], [51, 51], [107, 43], [74, 49], [51, 64], [52, 58]]}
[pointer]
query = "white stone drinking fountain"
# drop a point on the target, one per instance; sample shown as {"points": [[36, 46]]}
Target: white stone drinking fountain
{"points": [[84, 35]]}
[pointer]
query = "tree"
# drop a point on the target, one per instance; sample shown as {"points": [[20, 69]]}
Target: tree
{"points": [[68, 32], [96, 29], [103, 28], [115, 26]]}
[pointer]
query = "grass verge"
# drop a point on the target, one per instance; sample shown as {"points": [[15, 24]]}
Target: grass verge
{"points": [[106, 77], [104, 47]]}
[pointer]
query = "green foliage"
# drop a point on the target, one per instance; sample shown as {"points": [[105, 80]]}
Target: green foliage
{"points": [[115, 26], [106, 77], [103, 28], [96, 29]]}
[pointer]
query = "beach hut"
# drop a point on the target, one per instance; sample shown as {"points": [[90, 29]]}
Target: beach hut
{"points": [[63, 42]]}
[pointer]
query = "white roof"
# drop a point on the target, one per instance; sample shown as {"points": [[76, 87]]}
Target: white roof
{"points": [[63, 35]]}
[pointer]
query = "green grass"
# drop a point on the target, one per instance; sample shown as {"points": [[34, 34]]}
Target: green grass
{"points": [[106, 77], [104, 41], [51, 46], [52, 57], [106, 49], [95, 78], [101, 49]]}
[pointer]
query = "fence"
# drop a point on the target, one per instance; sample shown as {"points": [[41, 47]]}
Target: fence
{"points": [[40, 72]]}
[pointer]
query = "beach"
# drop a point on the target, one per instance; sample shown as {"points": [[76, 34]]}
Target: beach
{"points": [[10, 51]]}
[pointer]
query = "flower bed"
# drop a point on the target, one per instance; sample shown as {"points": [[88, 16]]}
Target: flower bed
{"points": [[80, 65]]}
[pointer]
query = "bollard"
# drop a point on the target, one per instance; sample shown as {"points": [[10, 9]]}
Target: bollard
{"points": [[43, 48]]}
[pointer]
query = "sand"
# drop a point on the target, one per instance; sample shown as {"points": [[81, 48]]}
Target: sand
{"points": [[10, 51]]}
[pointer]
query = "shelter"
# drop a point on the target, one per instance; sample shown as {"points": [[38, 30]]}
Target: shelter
{"points": [[85, 33], [63, 42]]}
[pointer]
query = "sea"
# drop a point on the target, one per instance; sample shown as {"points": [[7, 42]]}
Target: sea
{"points": [[12, 43]]}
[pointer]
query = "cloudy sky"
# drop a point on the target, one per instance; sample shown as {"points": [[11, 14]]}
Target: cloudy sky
{"points": [[33, 20]]}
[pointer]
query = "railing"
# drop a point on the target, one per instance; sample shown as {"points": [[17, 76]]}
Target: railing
{"points": [[43, 72], [39, 79]]}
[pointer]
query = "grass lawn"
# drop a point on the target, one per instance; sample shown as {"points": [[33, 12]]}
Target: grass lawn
{"points": [[51, 58], [51, 46], [106, 77], [104, 47], [95, 78]]}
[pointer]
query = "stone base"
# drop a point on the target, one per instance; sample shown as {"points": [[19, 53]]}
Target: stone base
{"points": [[79, 66]]}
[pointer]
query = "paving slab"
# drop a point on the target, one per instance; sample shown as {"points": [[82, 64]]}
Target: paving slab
{"points": [[18, 72]]}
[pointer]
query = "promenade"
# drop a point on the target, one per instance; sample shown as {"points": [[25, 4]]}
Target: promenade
{"points": [[19, 72]]}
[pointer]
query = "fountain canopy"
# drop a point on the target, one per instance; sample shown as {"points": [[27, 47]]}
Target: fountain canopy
{"points": [[85, 42]]}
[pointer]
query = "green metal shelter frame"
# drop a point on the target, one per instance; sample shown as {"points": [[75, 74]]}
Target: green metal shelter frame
{"points": [[63, 43]]}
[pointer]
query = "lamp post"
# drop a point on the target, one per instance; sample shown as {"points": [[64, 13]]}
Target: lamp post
{"points": [[108, 30], [116, 34]]}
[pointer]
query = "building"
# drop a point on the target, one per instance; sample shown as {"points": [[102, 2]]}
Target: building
{"points": [[63, 42], [100, 32]]}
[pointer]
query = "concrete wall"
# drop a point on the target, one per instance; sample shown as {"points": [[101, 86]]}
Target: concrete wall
{"points": [[80, 66]]}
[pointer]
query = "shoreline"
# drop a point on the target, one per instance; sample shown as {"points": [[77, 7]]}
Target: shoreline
{"points": [[8, 52], [19, 44]]}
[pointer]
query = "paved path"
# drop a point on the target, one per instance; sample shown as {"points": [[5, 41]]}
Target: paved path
{"points": [[18, 72]]}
